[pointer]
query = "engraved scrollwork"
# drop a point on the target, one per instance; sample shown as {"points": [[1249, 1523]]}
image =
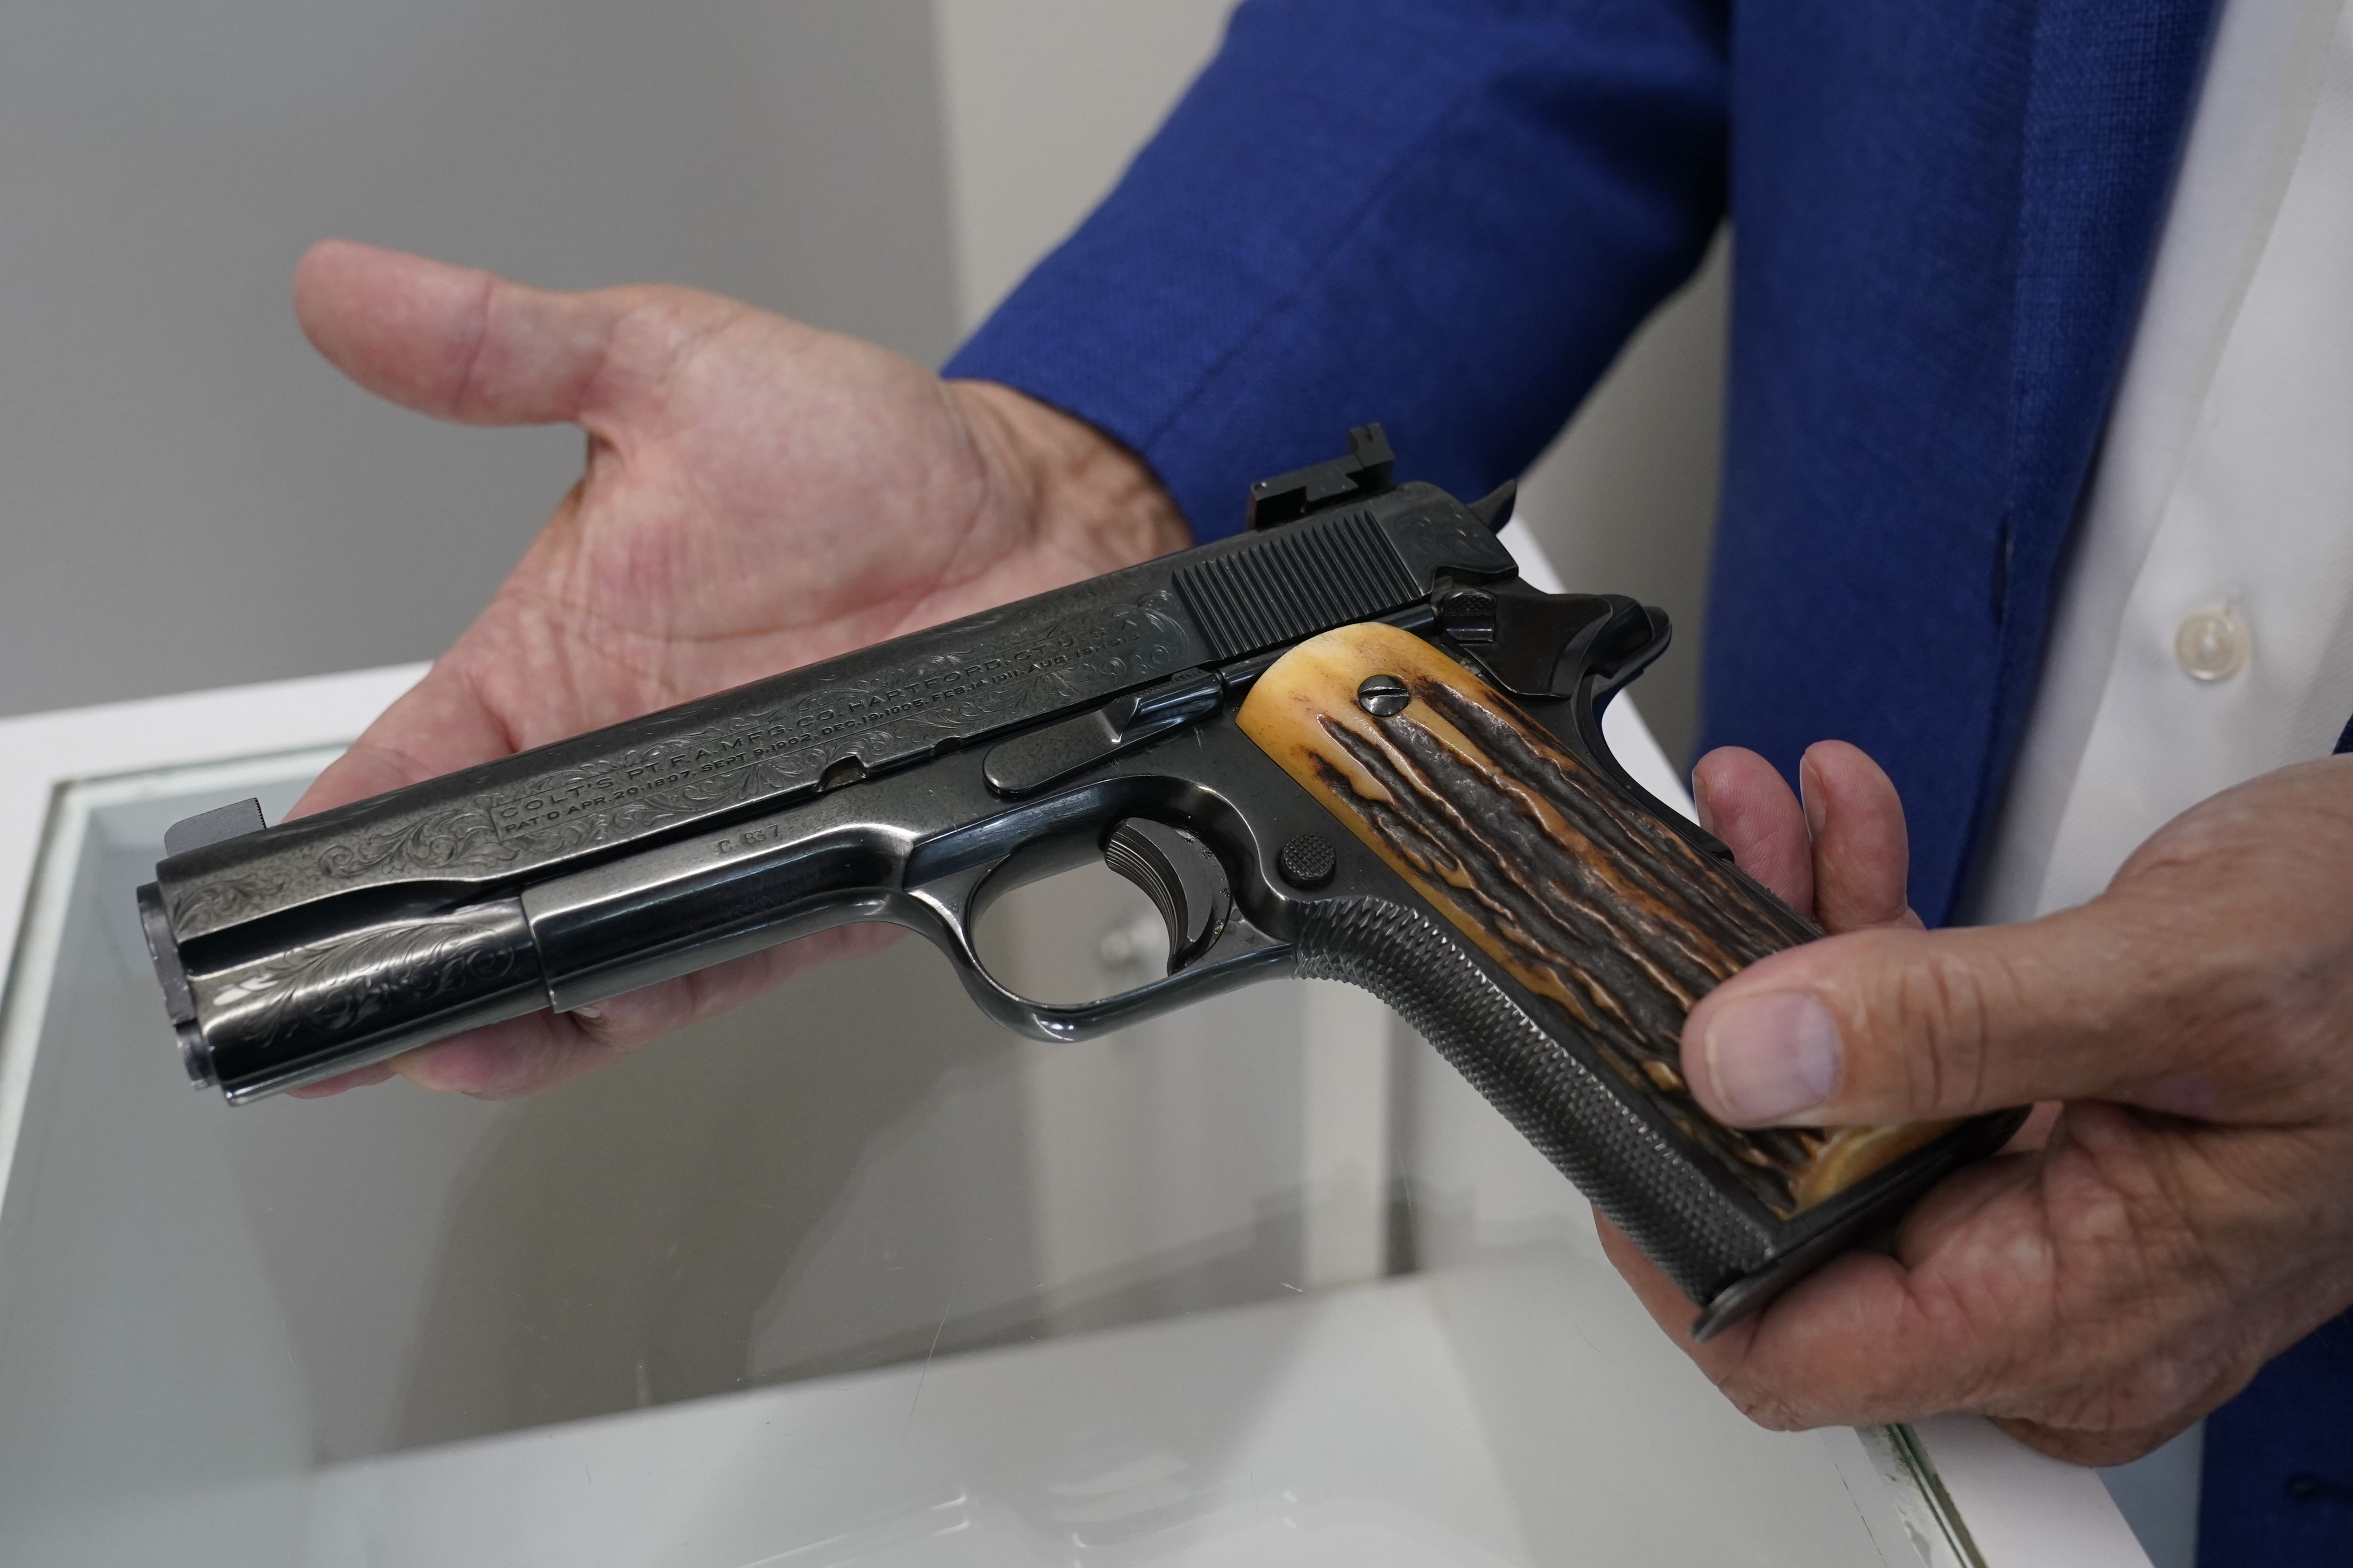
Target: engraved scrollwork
{"points": [[222, 899], [461, 836], [370, 981], [1166, 641], [763, 743], [876, 716], [1439, 538]]}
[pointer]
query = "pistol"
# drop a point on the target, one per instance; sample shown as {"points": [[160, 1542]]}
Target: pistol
{"points": [[1347, 743]]}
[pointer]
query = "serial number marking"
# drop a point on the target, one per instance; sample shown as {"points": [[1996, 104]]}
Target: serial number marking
{"points": [[750, 838]]}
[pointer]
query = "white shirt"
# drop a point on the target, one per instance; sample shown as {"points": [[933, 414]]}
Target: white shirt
{"points": [[2217, 538]]}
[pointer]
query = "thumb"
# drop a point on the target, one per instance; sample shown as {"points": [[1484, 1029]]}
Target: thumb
{"points": [[1904, 1026], [455, 343]]}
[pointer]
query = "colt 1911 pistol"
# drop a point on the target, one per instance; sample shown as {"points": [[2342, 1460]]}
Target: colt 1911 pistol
{"points": [[1348, 743]]}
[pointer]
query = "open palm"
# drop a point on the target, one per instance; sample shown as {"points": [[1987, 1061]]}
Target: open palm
{"points": [[758, 494]]}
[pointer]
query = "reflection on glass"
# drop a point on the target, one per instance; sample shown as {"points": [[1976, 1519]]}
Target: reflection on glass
{"points": [[846, 1276]]}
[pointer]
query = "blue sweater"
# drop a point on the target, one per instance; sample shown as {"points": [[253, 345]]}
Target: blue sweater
{"points": [[1450, 214]]}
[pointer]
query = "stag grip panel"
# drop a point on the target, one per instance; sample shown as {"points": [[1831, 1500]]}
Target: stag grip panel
{"points": [[1613, 923]]}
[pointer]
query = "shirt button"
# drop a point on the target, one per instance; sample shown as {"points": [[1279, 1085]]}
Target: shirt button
{"points": [[2212, 645]]}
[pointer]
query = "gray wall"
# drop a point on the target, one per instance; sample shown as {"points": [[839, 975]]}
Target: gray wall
{"points": [[188, 497], [1624, 502], [1045, 101]]}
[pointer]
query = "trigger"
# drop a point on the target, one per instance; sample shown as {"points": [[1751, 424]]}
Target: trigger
{"points": [[1180, 876]]}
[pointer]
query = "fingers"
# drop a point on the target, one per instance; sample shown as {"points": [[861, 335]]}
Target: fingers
{"points": [[1672, 1309], [2121, 1272], [358, 1077], [525, 1056], [1861, 857], [2071, 1294], [438, 726], [1889, 1023], [1743, 800], [455, 343], [1898, 1025], [539, 1051], [2063, 1314], [1842, 858], [1866, 1339]]}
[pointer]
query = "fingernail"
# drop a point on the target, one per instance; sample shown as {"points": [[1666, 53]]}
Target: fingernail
{"points": [[1772, 1057], [1810, 796], [594, 1014], [1703, 807]]}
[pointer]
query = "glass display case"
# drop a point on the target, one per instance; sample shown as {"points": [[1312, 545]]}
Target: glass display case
{"points": [[845, 1276]]}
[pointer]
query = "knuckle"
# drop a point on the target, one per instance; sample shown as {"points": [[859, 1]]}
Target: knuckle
{"points": [[468, 366], [1943, 1016]]}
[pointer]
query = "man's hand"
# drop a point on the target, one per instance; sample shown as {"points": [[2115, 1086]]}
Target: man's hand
{"points": [[2127, 1266], [758, 495]]}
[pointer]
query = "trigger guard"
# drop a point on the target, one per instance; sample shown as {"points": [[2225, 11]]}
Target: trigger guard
{"points": [[1182, 877]]}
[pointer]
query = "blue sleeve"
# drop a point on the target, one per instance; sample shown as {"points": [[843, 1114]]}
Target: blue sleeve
{"points": [[1443, 214]]}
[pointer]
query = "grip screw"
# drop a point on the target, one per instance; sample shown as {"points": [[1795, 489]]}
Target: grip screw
{"points": [[1382, 695], [1308, 860]]}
